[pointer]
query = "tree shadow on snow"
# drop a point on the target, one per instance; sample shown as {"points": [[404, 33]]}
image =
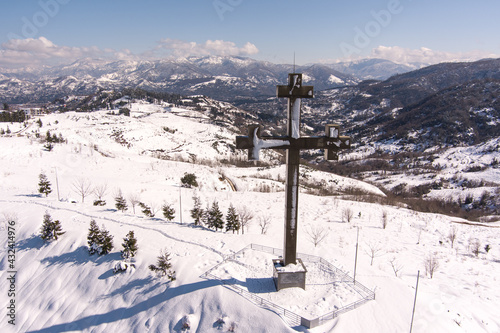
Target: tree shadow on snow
{"points": [[132, 285], [33, 242], [80, 256], [85, 323], [29, 195]]}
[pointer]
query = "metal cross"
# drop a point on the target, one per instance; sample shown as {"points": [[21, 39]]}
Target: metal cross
{"points": [[332, 142]]}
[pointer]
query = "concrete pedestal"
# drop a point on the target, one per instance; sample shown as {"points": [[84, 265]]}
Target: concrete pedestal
{"points": [[289, 276]]}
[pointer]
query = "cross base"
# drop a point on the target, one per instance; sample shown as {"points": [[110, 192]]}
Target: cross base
{"points": [[291, 276]]}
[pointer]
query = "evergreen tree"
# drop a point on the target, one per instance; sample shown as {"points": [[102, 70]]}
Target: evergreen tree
{"points": [[197, 212], [163, 266], [168, 212], [146, 210], [215, 217], [46, 232], [94, 238], [129, 246], [57, 229], [107, 241], [51, 230], [44, 185], [120, 202], [232, 220]]}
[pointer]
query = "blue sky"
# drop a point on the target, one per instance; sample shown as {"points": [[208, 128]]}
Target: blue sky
{"points": [[50, 31]]}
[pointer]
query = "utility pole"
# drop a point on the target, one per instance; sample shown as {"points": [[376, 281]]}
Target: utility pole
{"points": [[180, 203], [57, 185], [356, 256], [414, 302]]}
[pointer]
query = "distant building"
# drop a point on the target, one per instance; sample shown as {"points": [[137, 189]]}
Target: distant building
{"points": [[32, 112]]}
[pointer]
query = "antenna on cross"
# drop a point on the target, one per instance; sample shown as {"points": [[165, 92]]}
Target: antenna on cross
{"points": [[294, 61]]}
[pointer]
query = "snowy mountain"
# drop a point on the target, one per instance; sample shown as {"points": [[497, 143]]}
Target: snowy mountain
{"points": [[59, 287], [222, 78]]}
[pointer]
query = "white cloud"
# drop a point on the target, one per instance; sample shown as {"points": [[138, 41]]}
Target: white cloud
{"points": [[41, 51], [34, 52], [179, 48], [425, 55]]}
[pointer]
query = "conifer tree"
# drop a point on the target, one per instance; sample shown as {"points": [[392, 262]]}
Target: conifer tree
{"points": [[57, 229], [107, 241], [44, 185], [232, 220], [168, 212], [163, 266], [129, 246], [120, 202], [215, 217], [197, 212], [51, 230], [146, 210], [94, 238]]}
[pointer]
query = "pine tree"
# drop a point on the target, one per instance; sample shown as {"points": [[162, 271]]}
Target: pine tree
{"points": [[44, 185], [107, 241], [94, 238], [46, 232], [163, 266], [51, 230], [232, 220], [129, 246], [120, 202], [168, 212], [197, 212], [146, 210], [57, 229], [215, 217]]}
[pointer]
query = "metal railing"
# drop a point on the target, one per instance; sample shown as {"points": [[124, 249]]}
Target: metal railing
{"points": [[288, 316]]}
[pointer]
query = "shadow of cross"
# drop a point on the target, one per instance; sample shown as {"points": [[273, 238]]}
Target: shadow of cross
{"points": [[332, 142]]}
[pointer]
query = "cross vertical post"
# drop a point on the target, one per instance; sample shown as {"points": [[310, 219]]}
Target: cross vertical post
{"points": [[331, 142], [294, 91]]}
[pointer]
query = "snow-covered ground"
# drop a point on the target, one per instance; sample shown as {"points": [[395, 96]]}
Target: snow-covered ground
{"points": [[60, 288]]}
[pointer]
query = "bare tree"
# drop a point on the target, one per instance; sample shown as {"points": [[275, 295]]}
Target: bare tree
{"points": [[396, 267], [134, 200], [100, 191], [264, 223], [374, 250], [475, 246], [347, 215], [83, 187], [452, 235], [384, 219], [317, 234], [431, 264], [246, 217]]}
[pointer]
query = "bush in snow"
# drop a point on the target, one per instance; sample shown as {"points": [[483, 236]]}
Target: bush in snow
{"points": [[51, 230], [168, 212], [189, 180], [99, 240], [122, 266], [44, 185], [163, 266], [186, 322], [129, 246]]}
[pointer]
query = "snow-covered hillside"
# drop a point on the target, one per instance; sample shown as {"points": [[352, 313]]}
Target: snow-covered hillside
{"points": [[60, 288]]}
